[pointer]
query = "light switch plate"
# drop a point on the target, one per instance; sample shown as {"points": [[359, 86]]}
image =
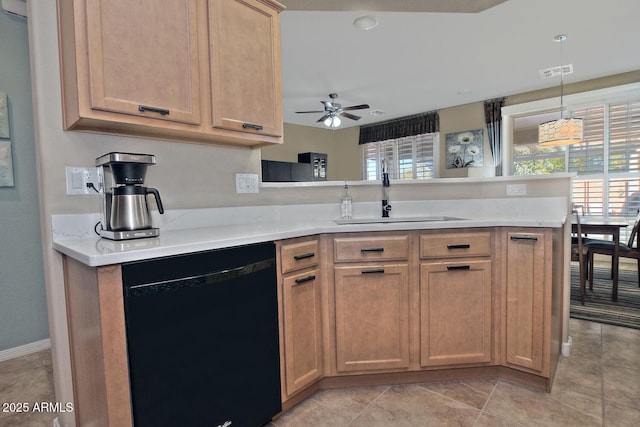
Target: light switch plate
{"points": [[247, 183]]}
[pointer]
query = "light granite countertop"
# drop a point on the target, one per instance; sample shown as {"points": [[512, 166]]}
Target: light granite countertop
{"points": [[205, 229]]}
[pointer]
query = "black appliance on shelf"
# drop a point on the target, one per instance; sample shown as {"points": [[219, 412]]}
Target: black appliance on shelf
{"points": [[277, 171], [202, 338], [318, 162]]}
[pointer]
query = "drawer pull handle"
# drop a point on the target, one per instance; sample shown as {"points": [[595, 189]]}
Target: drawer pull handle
{"points": [[527, 238], [374, 271], [458, 267], [306, 279], [463, 246], [365, 250], [161, 111], [251, 126], [304, 256]]}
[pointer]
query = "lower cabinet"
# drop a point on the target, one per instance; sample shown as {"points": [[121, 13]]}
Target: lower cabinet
{"points": [[455, 312], [528, 300], [300, 305], [302, 330], [372, 317]]}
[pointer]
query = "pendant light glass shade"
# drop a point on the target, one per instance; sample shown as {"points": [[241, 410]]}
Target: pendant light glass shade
{"points": [[560, 132], [563, 131]]}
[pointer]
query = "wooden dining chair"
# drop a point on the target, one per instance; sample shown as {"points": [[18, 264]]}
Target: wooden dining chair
{"points": [[606, 247], [579, 252]]}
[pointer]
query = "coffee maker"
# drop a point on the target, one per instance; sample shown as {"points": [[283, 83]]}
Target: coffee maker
{"points": [[125, 213]]}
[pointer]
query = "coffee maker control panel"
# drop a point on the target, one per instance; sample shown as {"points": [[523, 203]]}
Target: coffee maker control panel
{"points": [[116, 157]]}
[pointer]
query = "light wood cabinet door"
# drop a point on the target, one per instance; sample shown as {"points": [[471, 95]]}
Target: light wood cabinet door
{"points": [[143, 58], [302, 330], [371, 316], [526, 298], [245, 66], [455, 312]]}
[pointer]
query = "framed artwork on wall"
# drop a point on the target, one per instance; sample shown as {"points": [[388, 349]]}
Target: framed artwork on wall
{"points": [[464, 149], [5, 132], [6, 164]]}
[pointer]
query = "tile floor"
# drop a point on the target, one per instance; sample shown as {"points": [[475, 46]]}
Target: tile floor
{"points": [[599, 385]]}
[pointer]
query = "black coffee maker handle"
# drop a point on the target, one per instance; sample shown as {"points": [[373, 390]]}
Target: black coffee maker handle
{"points": [[157, 196]]}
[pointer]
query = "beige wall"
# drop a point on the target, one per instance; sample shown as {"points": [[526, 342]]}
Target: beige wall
{"points": [[344, 156]]}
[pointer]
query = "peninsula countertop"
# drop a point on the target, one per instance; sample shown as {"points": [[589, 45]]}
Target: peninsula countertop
{"points": [[201, 230]]}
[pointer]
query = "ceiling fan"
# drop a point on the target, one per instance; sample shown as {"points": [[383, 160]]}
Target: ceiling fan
{"points": [[332, 110]]}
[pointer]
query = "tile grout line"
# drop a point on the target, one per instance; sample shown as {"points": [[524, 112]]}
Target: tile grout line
{"points": [[482, 410], [369, 404]]}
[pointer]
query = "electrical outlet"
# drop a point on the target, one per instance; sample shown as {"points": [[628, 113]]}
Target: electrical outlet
{"points": [[247, 183], [516, 189], [84, 181]]}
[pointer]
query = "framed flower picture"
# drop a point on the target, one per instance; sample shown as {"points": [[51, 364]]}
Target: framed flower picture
{"points": [[464, 149]]}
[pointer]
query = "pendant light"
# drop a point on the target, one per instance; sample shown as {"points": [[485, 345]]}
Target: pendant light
{"points": [[563, 131]]}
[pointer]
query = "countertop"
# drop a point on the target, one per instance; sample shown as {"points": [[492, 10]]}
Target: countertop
{"points": [[200, 230]]}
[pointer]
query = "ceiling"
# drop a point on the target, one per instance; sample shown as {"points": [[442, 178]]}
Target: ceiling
{"points": [[423, 57]]}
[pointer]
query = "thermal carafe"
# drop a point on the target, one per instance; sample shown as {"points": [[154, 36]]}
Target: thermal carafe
{"points": [[129, 208], [125, 209]]}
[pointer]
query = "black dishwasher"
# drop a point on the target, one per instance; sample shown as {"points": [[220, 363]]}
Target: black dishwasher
{"points": [[202, 338]]}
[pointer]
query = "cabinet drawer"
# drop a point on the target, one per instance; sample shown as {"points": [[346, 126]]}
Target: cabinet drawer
{"points": [[455, 245], [296, 256], [371, 248]]}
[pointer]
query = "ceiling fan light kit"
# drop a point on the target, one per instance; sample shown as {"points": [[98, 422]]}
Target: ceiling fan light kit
{"points": [[332, 122], [562, 131]]}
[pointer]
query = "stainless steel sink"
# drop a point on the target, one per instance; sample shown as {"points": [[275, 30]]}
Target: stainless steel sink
{"points": [[395, 220]]}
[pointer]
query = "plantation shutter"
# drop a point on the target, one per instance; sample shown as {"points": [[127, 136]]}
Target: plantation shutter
{"points": [[587, 158]]}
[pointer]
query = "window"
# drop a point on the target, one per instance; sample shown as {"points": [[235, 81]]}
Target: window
{"points": [[409, 157]]}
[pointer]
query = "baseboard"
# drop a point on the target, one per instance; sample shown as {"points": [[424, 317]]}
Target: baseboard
{"points": [[23, 350]]}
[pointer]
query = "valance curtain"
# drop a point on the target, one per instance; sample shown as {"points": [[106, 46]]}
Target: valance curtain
{"points": [[406, 126], [493, 119]]}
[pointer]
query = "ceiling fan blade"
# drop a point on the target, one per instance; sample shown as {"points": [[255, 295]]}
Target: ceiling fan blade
{"points": [[301, 112], [356, 107], [323, 118], [350, 116]]}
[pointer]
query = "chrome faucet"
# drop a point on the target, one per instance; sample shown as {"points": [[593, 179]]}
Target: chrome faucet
{"points": [[386, 207]]}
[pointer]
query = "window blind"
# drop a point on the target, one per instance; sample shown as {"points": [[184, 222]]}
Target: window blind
{"points": [[407, 158], [624, 136]]}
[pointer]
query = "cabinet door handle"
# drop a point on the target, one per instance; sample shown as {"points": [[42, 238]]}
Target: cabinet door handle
{"points": [[458, 267], [251, 126], [161, 111], [365, 250], [303, 256], [528, 238], [463, 246], [306, 279], [375, 271]]}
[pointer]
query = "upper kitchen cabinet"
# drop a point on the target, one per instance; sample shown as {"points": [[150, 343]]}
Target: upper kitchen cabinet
{"points": [[245, 66], [184, 70]]}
